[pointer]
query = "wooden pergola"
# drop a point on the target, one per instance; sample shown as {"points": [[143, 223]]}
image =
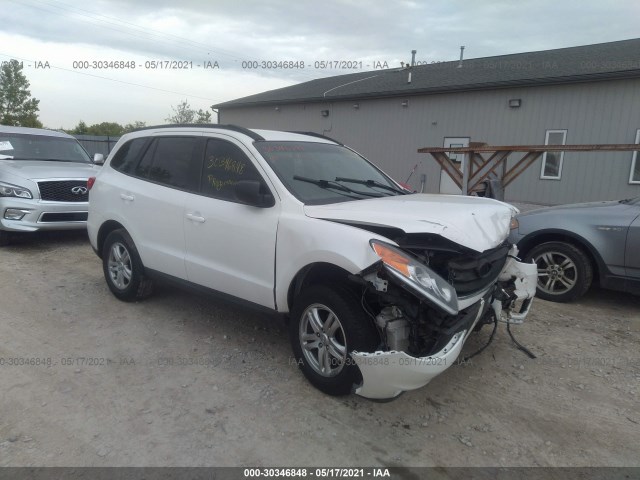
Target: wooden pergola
{"points": [[483, 159]]}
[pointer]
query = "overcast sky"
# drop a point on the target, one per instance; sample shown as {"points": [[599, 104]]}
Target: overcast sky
{"points": [[231, 32]]}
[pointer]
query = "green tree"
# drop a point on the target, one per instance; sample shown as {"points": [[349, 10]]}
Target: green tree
{"points": [[183, 113], [17, 108], [203, 116], [80, 129], [111, 129], [134, 126]]}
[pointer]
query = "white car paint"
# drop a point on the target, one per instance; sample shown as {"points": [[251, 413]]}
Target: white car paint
{"points": [[388, 374], [475, 222], [337, 244], [255, 253], [153, 216]]}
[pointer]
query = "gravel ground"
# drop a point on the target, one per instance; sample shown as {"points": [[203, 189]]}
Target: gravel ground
{"points": [[184, 380]]}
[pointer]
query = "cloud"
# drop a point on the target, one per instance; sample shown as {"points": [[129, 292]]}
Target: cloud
{"points": [[230, 32]]}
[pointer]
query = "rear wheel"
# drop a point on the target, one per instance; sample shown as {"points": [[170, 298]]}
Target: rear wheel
{"points": [[326, 325], [123, 268], [564, 271]]}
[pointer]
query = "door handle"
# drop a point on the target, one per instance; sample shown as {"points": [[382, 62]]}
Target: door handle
{"points": [[128, 198], [195, 218]]}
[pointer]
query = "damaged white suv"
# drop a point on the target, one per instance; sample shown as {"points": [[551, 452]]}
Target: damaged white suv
{"points": [[381, 287]]}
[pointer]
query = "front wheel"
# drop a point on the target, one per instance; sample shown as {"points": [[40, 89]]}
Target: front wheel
{"points": [[123, 268], [564, 271], [326, 325]]}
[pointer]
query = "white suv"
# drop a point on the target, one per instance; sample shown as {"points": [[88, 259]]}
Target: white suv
{"points": [[381, 287]]}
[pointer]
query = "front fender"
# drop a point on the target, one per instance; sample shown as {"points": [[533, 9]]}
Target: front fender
{"points": [[302, 241]]}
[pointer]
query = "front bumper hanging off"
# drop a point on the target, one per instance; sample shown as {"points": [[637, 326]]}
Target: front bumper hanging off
{"points": [[386, 374]]}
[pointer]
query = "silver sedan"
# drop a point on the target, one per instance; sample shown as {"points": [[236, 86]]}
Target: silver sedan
{"points": [[575, 245]]}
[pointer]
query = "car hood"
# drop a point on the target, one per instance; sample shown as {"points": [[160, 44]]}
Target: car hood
{"points": [[38, 169], [473, 222]]}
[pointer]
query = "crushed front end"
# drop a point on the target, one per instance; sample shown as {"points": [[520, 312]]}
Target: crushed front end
{"points": [[425, 296]]}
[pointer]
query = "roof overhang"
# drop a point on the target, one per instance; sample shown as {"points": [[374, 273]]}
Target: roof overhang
{"points": [[529, 82]]}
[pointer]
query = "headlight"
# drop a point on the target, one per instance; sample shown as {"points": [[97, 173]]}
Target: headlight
{"points": [[417, 276], [514, 223], [8, 190]]}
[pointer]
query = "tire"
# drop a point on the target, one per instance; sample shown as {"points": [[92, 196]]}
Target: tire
{"points": [[123, 269], [343, 325], [565, 272]]}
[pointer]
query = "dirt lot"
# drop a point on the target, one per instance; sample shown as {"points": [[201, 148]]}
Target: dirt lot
{"points": [[234, 397]]}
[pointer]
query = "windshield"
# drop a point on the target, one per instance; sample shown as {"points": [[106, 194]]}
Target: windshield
{"points": [[318, 173], [17, 146]]}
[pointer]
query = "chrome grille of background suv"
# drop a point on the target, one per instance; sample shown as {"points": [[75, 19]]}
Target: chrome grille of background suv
{"points": [[64, 190]]}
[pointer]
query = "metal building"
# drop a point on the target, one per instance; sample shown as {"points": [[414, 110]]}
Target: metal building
{"points": [[579, 95]]}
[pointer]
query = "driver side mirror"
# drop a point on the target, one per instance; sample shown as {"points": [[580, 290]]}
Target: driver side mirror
{"points": [[98, 159], [254, 193]]}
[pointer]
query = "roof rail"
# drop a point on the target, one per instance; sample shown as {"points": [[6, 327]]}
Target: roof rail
{"points": [[318, 135], [213, 126]]}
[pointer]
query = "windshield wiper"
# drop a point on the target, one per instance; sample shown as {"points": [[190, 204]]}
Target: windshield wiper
{"points": [[336, 186], [371, 183]]}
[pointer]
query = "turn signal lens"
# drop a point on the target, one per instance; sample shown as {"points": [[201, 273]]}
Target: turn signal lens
{"points": [[392, 258], [417, 276]]}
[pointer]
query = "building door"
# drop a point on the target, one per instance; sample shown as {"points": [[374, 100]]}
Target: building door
{"points": [[447, 185]]}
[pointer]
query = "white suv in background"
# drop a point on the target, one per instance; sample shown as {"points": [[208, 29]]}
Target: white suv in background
{"points": [[381, 286], [43, 181]]}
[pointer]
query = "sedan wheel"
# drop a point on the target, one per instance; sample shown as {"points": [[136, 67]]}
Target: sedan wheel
{"points": [[564, 271]]}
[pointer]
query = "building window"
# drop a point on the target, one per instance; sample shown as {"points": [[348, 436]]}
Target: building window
{"points": [[456, 157], [552, 161], [634, 177]]}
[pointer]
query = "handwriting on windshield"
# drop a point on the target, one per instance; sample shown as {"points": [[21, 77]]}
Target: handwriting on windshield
{"points": [[225, 171], [227, 164], [219, 184]]}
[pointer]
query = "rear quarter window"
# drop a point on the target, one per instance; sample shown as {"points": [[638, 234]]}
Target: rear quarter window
{"points": [[126, 157], [172, 161]]}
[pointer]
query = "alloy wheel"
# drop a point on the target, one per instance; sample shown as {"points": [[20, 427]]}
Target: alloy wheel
{"points": [[557, 273], [323, 340], [120, 266]]}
